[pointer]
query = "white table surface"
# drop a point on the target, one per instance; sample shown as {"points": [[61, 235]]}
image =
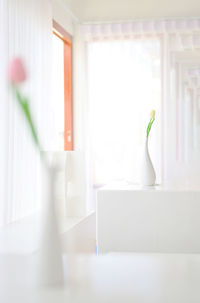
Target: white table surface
{"points": [[135, 278], [126, 185]]}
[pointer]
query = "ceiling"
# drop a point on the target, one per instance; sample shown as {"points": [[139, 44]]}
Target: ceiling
{"points": [[113, 10]]}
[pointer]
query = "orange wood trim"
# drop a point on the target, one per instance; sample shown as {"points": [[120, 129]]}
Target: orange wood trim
{"points": [[60, 32], [68, 115]]}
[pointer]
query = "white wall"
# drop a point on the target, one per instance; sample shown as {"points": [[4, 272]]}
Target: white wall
{"points": [[63, 16], [110, 10]]}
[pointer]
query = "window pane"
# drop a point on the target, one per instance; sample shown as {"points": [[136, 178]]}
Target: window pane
{"points": [[58, 91], [124, 86]]}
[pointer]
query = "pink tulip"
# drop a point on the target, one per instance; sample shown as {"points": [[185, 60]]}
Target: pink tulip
{"points": [[16, 71]]}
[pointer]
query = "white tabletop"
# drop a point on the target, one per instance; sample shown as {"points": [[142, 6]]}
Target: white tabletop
{"points": [[126, 185], [135, 278]]}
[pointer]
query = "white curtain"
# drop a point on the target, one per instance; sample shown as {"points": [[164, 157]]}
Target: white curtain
{"points": [[176, 145], [25, 31]]}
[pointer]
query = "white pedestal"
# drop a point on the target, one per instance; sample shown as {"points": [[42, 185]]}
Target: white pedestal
{"points": [[152, 219]]}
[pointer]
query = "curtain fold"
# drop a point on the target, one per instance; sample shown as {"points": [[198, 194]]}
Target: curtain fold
{"points": [[4, 108], [25, 31]]}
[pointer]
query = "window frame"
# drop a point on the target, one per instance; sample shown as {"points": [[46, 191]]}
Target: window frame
{"points": [[61, 33]]}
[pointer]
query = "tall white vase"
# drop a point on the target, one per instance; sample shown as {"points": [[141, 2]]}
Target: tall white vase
{"points": [[50, 266], [148, 176]]}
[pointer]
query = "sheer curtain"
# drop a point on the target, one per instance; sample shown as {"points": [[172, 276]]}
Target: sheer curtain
{"points": [[25, 31], [120, 49]]}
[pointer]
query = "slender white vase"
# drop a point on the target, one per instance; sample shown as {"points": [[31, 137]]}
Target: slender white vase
{"points": [[148, 176], [50, 271]]}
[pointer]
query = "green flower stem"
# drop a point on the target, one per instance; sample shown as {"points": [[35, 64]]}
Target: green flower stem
{"points": [[149, 126], [23, 103]]}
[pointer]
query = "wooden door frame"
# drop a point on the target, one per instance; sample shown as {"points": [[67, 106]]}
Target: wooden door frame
{"points": [[61, 33]]}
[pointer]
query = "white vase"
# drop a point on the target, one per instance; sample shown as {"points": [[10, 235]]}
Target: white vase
{"points": [[50, 270], [148, 175]]}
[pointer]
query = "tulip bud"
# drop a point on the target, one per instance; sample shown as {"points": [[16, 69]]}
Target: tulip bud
{"points": [[16, 71], [152, 114]]}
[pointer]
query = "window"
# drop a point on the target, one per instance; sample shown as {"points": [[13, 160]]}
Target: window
{"points": [[124, 86], [62, 88]]}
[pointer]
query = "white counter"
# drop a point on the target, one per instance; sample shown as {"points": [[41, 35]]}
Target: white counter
{"points": [[139, 278], [133, 218]]}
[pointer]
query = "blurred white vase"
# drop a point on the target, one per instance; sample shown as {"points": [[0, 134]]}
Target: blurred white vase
{"points": [[148, 176], [50, 271]]}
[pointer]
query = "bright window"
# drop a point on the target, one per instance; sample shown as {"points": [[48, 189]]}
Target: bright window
{"points": [[124, 86]]}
